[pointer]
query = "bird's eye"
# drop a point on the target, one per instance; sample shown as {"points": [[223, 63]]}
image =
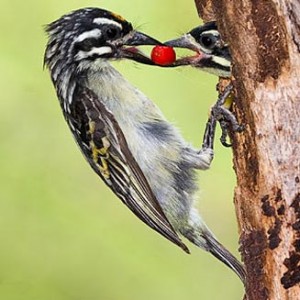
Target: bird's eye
{"points": [[112, 33], [208, 40]]}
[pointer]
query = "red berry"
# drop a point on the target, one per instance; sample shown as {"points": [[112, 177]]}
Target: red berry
{"points": [[163, 55]]}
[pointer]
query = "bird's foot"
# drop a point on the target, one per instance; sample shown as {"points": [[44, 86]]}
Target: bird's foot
{"points": [[224, 116]]}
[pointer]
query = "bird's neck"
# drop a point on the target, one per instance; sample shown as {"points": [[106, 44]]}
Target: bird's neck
{"points": [[118, 95]]}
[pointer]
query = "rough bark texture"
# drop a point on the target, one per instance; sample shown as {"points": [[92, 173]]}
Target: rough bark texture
{"points": [[264, 38]]}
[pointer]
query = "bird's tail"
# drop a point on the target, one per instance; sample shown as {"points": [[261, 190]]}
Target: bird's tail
{"points": [[201, 236], [221, 253]]}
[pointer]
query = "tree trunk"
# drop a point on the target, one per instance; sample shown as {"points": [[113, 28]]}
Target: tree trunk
{"points": [[264, 39]]}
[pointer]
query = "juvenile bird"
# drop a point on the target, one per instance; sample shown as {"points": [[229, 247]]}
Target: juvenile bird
{"points": [[123, 134], [211, 55]]}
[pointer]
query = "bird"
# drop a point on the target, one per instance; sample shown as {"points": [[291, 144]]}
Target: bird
{"points": [[212, 53], [123, 135], [212, 56]]}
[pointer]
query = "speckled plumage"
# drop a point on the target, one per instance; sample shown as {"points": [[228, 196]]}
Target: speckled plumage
{"points": [[125, 137]]}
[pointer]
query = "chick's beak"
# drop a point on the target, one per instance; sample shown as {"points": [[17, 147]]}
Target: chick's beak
{"points": [[217, 62], [128, 50], [187, 42]]}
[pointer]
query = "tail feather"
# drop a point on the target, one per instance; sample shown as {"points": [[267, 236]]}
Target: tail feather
{"points": [[221, 253], [205, 240]]}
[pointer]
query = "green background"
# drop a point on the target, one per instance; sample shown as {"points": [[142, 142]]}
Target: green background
{"points": [[63, 234]]}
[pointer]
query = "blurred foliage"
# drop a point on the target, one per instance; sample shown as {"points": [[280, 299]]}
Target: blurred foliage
{"points": [[63, 234]]}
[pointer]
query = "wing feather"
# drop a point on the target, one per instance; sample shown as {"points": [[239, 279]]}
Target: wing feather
{"points": [[111, 158]]}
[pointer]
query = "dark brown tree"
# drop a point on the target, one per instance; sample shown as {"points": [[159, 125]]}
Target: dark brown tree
{"points": [[264, 38]]}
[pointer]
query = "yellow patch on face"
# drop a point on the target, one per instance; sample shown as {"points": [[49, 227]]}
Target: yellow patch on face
{"points": [[118, 17]]}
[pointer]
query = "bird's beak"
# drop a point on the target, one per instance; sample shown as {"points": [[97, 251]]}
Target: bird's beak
{"points": [[186, 41], [127, 49], [218, 62], [137, 38]]}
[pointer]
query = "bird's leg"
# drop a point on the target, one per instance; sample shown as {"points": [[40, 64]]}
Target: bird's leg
{"points": [[207, 149], [224, 129], [205, 155], [209, 133], [224, 116], [221, 114]]}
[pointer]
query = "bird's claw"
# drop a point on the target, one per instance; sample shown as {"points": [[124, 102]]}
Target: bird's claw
{"points": [[225, 117]]}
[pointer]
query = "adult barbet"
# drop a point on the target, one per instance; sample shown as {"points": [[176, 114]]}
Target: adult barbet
{"points": [[122, 133]]}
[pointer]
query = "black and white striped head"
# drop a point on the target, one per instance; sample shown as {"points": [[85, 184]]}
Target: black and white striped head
{"points": [[212, 53], [89, 34]]}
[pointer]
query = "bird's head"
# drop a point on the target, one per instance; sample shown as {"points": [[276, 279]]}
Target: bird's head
{"points": [[90, 34], [212, 54]]}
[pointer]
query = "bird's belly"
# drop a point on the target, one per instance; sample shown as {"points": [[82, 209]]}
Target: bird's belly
{"points": [[159, 160]]}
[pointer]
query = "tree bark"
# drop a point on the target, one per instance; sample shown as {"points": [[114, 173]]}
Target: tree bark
{"points": [[264, 39]]}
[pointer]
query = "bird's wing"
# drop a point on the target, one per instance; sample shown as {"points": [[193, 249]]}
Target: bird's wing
{"points": [[104, 145]]}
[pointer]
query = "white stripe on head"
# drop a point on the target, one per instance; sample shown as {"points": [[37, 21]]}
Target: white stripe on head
{"points": [[105, 21], [221, 61], [95, 33], [99, 51], [212, 31]]}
